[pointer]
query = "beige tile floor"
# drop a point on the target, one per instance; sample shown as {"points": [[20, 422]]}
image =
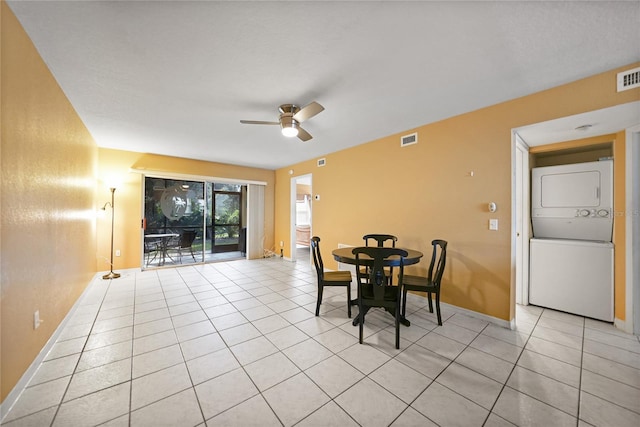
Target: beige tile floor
{"points": [[237, 344]]}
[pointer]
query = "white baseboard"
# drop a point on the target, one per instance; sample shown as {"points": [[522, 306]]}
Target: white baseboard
{"points": [[17, 390], [480, 316], [623, 325]]}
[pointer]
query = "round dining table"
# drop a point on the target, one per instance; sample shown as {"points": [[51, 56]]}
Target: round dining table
{"points": [[346, 256]]}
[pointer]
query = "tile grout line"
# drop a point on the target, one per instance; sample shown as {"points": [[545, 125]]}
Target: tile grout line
{"points": [[104, 296], [491, 411], [241, 367]]}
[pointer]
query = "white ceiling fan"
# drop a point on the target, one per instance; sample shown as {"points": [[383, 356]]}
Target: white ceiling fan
{"points": [[290, 118]]}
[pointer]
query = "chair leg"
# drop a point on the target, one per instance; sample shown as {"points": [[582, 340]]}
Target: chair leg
{"points": [[438, 308], [404, 302], [349, 300], [430, 302], [398, 326], [319, 300], [361, 322]]}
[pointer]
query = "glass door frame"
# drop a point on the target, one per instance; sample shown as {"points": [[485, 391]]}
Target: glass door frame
{"points": [[164, 245], [239, 224]]}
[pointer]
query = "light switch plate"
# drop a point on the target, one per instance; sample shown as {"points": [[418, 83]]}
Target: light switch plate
{"points": [[493, 224]]}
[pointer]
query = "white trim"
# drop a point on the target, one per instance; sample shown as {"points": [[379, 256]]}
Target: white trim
{"points": [[632, 274], [481, 316], [476, 315], [189, 177], [24, 380], [293, 189], [622, 325], [522, 268], [293, 214]]}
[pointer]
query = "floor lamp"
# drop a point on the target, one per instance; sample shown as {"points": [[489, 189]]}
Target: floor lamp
{"points": [[111, 274]]}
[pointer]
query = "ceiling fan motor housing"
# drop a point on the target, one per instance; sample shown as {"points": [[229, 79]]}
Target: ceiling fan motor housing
{"points": [[289, 109]]}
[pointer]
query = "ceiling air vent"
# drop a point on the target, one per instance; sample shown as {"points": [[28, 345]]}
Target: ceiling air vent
{"points": [[629, 79], [409, 139]]}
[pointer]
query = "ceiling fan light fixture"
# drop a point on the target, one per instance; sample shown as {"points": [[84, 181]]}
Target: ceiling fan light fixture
{"points": [[289, 127], [290, 118], [290, 132]]}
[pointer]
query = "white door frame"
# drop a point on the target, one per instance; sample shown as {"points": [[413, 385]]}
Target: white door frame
{"points": [[292, 221], [520, 218], [632, 218]]}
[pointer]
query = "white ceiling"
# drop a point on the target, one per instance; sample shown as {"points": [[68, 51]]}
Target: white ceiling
{"points": [[176, 77], [600, 122]]}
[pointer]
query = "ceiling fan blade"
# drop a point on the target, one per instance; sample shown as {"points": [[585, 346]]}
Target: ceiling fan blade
{"points": [[257, 122], [304, 135], [308, 111]]}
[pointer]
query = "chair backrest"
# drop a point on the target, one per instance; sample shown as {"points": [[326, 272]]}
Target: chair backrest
{"points": [[441, 247], [380, 239], [187, 237], [381, 258], [317, 257], [151, 245]]}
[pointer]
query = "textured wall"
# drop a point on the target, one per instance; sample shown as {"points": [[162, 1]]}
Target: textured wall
{"points": [[115, 165], [48, 211]]}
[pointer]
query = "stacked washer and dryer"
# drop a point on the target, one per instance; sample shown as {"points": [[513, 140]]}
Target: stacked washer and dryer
{"points": [[571, 253]]}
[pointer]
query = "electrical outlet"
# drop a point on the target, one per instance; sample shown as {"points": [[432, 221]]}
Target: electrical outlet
{"points": [[117, 252], [36, 319]]}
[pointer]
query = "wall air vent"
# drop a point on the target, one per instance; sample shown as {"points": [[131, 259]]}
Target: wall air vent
{"points": [[409, 139], [629, 79], [322, 162]]}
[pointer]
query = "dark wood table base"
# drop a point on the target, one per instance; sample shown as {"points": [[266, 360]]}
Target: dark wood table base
{"points": [[403, 320]]}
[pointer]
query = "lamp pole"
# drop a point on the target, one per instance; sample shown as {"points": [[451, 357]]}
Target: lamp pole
{"points": [[111, 274]]}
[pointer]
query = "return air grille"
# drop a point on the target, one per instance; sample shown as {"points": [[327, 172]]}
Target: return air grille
{"points": [[629, 79], [409, 139]]}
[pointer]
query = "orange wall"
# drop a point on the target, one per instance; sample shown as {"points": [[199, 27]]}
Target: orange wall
{"points": [[426, 191], [116, 165], [47, 226]]}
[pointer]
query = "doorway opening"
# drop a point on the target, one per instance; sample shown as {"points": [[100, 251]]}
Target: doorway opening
{"points": [[610, 121], [301, 218]]}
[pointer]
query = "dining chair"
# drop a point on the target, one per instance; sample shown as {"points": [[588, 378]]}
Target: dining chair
{"points": [[329, 278], [376, 290], [430, 283], [151, 250], [185, 243], [380, 240]]}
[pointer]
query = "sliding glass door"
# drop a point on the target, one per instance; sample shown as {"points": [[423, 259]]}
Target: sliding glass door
{"points": [[187, 222], [227, 219], [174, 215]]}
